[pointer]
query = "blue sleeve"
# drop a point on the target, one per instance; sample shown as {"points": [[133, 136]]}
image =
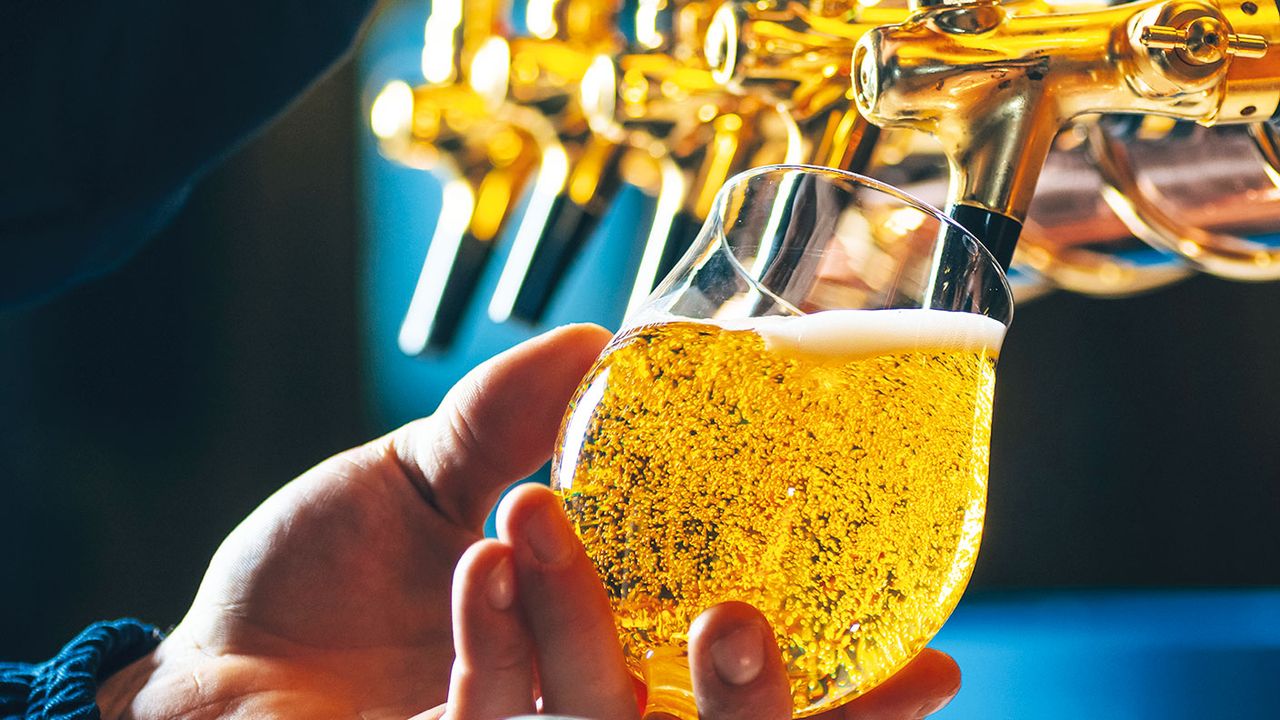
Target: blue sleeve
{"points": [[113, 109], [65, 688]]}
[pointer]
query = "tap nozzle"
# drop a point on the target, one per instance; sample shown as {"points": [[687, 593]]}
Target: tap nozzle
{"points": [[995, 86]]}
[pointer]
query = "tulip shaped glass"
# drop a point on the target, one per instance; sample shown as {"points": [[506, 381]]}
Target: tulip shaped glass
{"points": [[799, 419]]}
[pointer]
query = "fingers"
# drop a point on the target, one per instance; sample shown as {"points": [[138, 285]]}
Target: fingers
{"points": [[736, 666], [498, 424], [580, 665], [493, 669], [922, 688]]}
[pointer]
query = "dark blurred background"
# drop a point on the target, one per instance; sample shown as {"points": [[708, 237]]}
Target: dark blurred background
{"points": [[144, 413], [1136, 443]]}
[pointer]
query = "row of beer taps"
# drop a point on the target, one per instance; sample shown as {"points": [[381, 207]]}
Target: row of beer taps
{"points": [[1143, 125]]}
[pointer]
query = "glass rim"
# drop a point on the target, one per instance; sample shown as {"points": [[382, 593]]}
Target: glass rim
{"points": [[878, 186]]}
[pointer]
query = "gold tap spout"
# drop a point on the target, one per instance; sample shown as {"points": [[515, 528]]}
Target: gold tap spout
{"points": [[786, 54], [543, 73], [484, 164], [485, 157], [698, 133], [995, 86], [690, 133]]}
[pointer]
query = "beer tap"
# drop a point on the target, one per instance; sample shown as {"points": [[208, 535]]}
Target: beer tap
{"points": [[543, 72], [690, 132], [554, 122], [798, 56], [995, 86], [788, 54], [791, 55], [485, 157]]}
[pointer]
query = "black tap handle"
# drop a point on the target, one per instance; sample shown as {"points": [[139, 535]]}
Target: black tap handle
{"points": [[569, 226], [445, 288]]}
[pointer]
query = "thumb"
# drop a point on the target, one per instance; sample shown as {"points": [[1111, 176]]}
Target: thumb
{"points": [[497, 425]]}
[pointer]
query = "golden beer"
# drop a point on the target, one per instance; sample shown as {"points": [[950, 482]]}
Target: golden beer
{"points": [[828, 469]]}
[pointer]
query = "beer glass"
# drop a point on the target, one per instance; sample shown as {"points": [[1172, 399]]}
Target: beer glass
{"points": [[798, 418]]}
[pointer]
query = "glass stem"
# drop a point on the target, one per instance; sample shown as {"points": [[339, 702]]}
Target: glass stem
{"points": [[670, 687]]}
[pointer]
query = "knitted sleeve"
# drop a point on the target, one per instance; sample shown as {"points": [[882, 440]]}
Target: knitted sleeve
{"points": [[65, 688]]}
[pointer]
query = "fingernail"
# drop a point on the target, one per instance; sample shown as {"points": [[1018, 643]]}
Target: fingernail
{"points": [[500, 589], [549, 536], [739, 656]]}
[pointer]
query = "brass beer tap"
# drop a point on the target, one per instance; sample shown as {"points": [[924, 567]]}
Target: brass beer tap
{"points": [[788, 54], [995, 86], [544, 72], [791, 55], [1071, 240], [484, 156], [557, 120], [693, 133]]}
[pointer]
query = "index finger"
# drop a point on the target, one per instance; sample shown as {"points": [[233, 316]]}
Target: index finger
{"points": [[581, 668]]}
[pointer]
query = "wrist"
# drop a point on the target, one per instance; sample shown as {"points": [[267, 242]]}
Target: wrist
{"points": [[117, 693], [176, 679], [179, 678]]}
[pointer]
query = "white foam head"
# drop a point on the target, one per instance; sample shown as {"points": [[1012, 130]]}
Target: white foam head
{"points": [[857, 334]]}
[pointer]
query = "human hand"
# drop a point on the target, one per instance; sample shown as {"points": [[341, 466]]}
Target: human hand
{"points": [[333, 598], [533, 600]]}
